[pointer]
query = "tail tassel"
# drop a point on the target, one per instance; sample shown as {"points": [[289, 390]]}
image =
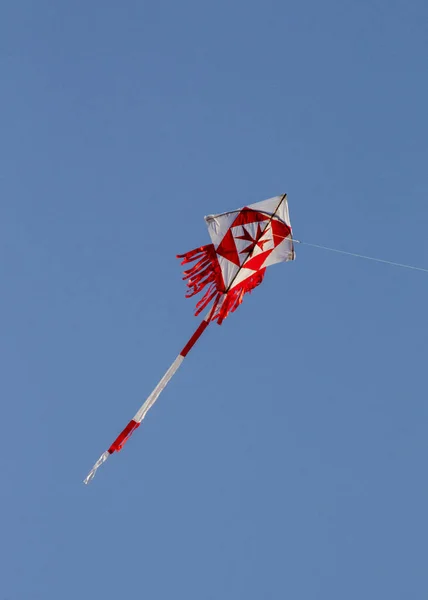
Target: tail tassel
{"points": [[206, 272]]}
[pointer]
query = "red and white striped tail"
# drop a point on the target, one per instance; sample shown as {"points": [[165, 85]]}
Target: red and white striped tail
{"points": [[135, 422]]}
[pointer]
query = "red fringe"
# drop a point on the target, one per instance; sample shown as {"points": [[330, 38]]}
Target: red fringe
{"points": [[234, 297], [206, 272]]}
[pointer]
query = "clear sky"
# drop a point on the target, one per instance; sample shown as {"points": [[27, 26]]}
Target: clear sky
{"points": [[287, 459]]}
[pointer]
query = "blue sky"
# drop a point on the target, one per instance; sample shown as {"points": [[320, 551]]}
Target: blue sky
{"points": [[287, 459]]}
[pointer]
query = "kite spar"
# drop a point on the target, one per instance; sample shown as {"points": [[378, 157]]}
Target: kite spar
{"points": [[244, 243]]}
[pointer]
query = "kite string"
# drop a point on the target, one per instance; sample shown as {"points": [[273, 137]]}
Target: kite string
{"points": [[379, 260]]}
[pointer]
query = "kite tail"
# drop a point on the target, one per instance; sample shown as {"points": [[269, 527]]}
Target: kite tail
{"points": [[135, 422], [116, 446]]}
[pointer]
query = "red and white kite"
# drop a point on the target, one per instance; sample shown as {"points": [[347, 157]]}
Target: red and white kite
{"points": [[244, 243]]}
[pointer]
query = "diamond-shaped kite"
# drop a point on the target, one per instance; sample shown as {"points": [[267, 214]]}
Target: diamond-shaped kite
{"points": [[244, 243]]}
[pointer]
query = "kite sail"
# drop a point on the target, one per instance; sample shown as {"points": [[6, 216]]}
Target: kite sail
{"points": [[244, 243]]}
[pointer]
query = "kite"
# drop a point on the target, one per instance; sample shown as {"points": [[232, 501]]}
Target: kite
{"points": [[244, 243]]}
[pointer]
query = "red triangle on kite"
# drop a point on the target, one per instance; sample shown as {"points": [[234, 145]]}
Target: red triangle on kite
{"points": [[227, 248], [256, 262], [247, 215]]}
